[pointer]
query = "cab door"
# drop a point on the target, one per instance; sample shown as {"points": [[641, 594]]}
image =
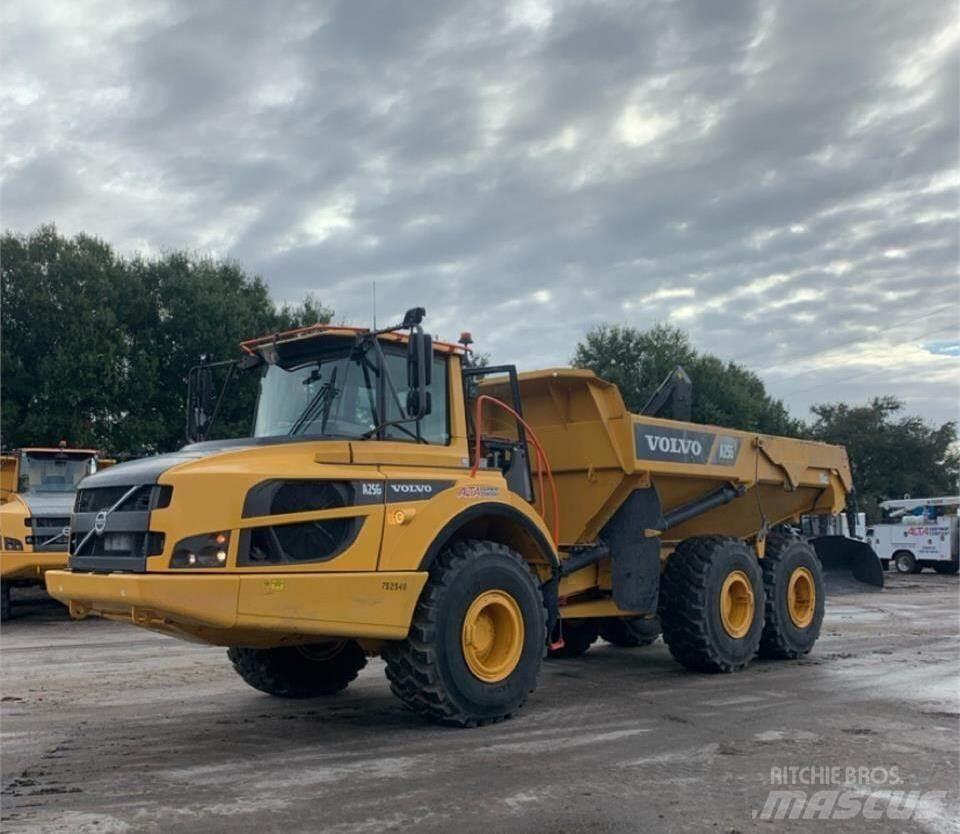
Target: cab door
{"points": [[421, 477]]}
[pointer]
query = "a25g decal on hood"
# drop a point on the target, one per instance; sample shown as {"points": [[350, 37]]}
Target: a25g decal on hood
{"points": [[684, 445]]}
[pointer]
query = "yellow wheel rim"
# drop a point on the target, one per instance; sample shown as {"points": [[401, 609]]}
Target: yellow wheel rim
{"points": [[492, 636], [801, 597], [737, 604]]}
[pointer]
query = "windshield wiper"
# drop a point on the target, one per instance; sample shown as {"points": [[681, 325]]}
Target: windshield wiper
{"points": [[322, 400]]}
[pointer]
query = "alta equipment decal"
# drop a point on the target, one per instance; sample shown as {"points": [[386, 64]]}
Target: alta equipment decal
{"points": [[654, 442], [478, 492]]}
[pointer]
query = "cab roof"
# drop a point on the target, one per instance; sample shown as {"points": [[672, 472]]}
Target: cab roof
{"points": [[316, 331], [67, 450]]}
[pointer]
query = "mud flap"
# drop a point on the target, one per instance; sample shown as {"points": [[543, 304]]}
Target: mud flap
{"points": [[845, 557], [635, 557]]}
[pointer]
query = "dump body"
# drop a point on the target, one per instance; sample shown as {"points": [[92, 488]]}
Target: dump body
{"points": [[600, 453]]}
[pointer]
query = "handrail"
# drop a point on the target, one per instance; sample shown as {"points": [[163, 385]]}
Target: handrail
{"points": [[542, 463]]}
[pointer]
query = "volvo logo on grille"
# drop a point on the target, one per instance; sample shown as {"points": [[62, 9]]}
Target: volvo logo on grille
{"points": [[100, 522]]}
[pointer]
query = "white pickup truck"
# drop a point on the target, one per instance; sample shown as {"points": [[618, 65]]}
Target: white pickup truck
{"points": [[920, 533]]}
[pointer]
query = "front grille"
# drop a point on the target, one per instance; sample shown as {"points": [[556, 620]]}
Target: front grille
{"points": [[48, 533], [120, 545], [124, 540], [146, 498], [50, 521]]}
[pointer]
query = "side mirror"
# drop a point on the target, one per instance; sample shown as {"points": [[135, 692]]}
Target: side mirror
{"points": [[419, 373], [91, 466], [200, 401]]}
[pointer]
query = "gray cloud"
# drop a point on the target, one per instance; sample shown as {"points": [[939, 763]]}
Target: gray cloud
{"points": [[778, 178]]}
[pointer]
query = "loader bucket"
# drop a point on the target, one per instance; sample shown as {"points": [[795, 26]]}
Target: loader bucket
{"points": [[845, 557]]}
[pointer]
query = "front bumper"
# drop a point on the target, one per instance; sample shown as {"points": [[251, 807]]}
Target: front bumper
{"points": [[249, 609], [18, 564]]}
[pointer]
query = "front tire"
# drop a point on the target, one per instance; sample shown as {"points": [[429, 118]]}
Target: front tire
{"points": [[711, 604], [477, 639], [4, 601], [794, 598], [300, 671], [947, 568]]}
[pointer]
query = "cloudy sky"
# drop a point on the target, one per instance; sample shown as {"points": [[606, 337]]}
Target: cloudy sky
{"points": [[778, 178]]}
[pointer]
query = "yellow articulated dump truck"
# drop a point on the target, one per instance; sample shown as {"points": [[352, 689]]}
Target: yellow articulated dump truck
{"points": [[37, 488], [458, 521]]}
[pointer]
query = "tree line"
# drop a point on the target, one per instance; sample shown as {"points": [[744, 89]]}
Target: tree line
{"points": [[891, 453], [96, 346]]}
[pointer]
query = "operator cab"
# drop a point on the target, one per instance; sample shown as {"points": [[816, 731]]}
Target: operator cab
{"points": [[330, 382], [333, 382], [56, 470]]}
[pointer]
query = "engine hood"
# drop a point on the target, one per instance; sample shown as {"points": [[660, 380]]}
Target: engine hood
{"points": [[148, 470], [47, 503]]}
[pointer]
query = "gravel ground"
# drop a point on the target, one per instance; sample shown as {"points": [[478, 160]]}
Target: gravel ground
{"points": [[107, 728]]}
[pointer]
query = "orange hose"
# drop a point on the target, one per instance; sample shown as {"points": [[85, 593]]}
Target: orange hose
{"points": [[542, 462]]}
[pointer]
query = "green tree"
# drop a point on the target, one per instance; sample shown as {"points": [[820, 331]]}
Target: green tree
{"points": [[65, 311], [891, 454], [637, 361], [724, 394], [96, 348]]}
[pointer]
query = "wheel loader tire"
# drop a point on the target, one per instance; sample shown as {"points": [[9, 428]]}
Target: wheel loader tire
{"points": [[477, 640], [948, 568], [300, 671], [630, 632], [711, 604], [4, 601], [578, 637], [905, 562], [794, 598]]}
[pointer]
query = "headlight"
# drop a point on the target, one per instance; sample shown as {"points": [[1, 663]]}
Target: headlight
{"points": [[208, 550], [12, 544]]}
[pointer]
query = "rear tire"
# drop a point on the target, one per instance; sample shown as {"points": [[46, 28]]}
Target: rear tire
{"points": [[630, 632], [794, 598], [947, 568], [578, 637], [477, 639], [905, 562], [300, 671], [704, 575], [4, 601]]}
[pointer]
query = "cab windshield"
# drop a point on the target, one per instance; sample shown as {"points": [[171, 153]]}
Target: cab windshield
{"points": [[339, 393], [53, 471]]}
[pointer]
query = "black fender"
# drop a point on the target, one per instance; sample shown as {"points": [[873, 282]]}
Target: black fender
{"points": [[550, 588], [486, 510]]}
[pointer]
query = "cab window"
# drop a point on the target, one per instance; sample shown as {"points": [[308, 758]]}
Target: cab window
{"points": [[434, 428]]}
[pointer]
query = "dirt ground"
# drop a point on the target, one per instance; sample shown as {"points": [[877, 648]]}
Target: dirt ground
{"points": [[107, 728]]}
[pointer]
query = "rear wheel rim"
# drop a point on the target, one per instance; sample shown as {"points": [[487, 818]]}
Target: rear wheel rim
{"points": [[737, 604], [801, 597], [492, 636]]}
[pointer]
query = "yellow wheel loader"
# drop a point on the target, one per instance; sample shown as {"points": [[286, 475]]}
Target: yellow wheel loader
{"points": [[458, 521], [37, 488]]}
